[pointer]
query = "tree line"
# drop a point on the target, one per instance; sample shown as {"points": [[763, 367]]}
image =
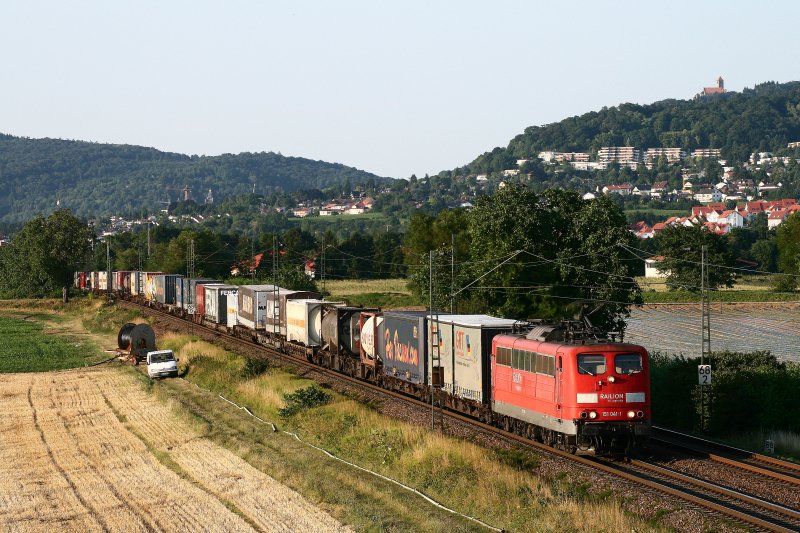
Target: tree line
{"points": [[91, 179]]}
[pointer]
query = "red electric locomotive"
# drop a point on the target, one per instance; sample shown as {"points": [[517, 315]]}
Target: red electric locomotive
{"points": [[577, 393]]}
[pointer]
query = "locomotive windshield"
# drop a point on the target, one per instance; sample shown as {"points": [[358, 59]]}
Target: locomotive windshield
{"points": [[628, 363], [592, 364]]}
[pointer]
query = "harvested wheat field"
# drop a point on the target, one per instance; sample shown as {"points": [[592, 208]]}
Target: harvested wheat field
{"points": [[92, 451]]}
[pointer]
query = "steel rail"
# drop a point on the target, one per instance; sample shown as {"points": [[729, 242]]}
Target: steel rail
{"points": [[761, 504], [737, 457]]}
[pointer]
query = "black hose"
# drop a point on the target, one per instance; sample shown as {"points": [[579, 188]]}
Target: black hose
{"points": [[124, 336]]}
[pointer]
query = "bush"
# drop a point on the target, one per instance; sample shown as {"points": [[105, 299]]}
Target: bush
{"points": [[750, 391], [300, 399], [254, 368]]}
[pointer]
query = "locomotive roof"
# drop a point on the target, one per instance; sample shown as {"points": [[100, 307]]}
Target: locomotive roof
{"points": [[474, 321], [589, 343]]}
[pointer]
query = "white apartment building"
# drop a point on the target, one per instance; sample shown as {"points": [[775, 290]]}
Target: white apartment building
{"points": [[624, 155]]}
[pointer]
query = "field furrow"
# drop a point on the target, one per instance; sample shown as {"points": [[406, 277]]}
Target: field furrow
{"points": [[266, 503], [92, 451]]}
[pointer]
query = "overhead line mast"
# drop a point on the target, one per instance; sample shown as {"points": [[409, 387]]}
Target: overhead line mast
{"points": [[705, 343]]}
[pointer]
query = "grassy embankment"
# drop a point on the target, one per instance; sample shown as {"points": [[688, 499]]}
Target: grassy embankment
{"points": [[394, 293], [747, 289], [383, 293], [502, 487]]}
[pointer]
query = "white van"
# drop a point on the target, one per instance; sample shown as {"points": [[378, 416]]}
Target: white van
{"points": [[162, 364]]}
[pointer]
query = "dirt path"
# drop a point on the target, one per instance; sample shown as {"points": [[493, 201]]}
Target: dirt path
{"points": [[92, 451]]}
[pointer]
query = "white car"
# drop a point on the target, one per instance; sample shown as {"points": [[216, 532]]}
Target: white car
{"points": [[162, 364]]}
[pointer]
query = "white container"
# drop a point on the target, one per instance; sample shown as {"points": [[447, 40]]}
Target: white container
{"points": [[465, 345], [252, 305], [369, 335], [220, 303], [304, 321]]}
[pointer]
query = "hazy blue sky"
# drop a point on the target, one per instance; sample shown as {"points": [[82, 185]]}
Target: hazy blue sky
{"points": [[400, 88]]}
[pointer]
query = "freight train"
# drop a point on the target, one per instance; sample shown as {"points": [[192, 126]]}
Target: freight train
{"points": [[560, 383]]}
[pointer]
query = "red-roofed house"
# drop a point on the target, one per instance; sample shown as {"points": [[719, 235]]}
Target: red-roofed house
{"points": [[731, 217], [659, 188], [776, 217]]}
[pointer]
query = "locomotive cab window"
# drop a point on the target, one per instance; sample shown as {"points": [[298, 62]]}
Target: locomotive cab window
{"points": [[592, 364], [628, 363], [503, 356]]}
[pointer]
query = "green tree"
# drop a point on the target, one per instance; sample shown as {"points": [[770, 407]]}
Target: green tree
{"points": [[546, 256], [681, 247], [44, 255], [787, 239], [764, 253]]}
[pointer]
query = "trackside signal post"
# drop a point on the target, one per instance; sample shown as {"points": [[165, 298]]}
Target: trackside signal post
{"points": [[704, 369], [436, 372]]}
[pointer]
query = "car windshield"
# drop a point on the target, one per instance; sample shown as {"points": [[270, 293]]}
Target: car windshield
{"points": [[592, 364], [161, 358], [628, 363]]}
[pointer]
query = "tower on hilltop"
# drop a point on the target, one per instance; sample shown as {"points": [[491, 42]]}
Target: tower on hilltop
{"points": [[708, 91]]}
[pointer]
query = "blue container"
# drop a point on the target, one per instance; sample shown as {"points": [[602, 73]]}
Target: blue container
{"points": [[402, 345]]}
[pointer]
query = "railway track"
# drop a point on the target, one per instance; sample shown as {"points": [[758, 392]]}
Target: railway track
{"points": [[756, 463], [743, 507], [738, 507]]}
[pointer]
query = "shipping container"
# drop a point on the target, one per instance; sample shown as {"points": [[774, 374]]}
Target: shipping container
{"points": [[136, 282], [76, 280], [465, 347], [275, 316], [220, 303], [83, 285], [95, 281], [200, 297], [149, 285], [192, 299], [371, 331], [304, 320], [402, 345], [122, 280], [102, 280], [252, 305], [142, 284], [165, 288]]}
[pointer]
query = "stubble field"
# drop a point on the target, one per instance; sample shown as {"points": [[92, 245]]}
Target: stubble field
{"points": [[92, 451]]}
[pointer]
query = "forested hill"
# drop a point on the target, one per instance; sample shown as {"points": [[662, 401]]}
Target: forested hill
{"points": [[762, 119], [96, 179]]}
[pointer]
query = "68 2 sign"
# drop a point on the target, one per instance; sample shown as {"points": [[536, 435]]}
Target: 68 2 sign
{"points": [[704, 374]]}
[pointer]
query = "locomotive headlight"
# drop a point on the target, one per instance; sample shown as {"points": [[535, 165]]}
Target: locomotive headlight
{"points": [[639, 414], [592, 414], [584, 414], [611, 379], [631, 414]]}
